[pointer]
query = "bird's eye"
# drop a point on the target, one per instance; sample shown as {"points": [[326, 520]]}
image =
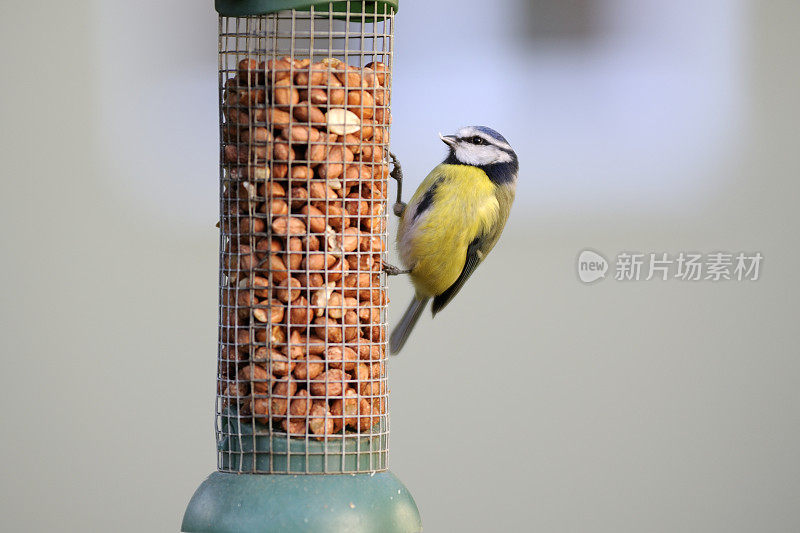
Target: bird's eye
{"points": [[477, 140]]}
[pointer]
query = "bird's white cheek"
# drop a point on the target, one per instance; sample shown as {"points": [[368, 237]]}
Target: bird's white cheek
{"points": [[481, 155], [504, 158], [468, 155]]}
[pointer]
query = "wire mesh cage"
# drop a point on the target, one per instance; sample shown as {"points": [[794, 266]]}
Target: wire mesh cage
{"points": [[304, 99]]}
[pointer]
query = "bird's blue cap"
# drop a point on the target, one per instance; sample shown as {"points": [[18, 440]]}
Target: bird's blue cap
{"points": [[491, 133]]}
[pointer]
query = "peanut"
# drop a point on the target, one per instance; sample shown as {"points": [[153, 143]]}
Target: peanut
{"points": [[300, 405], [356, 174], [369, 315], [252, 97], [294, 426], [380, 70], [236, 389], [299, 312], [329, 329], [281, 393], [301, 172], [277, 267], [345, 411], [312, 75], [311, 242], [317, 152], [320, 191], [383, 116], [336, 95], [313, 279], [337, 218], [315, 218], [255, 172], [300, 134], [299, 197], [278, 69], [348, 240], [333, 166], [276, 207], [317, 261], [342, 122], [307, 113], [315, 96], [308, 368], [284, 94], [288, 226], [257, 135], [320, 422], [274, 335], [282, 151], [288, 290], [315, 345], [247, 69], [376, 333], [367, 129], [341, 357], [330, 383], [371, 243], [294, 253], [260, 409], [367, 408], [338, 270], [327, 300], [278, 118], [271, 313], [362, 372], [361, 103], [279, 170], [277, 363], [257, 375], [368, 351], [351, 329], [376, 370], [349, 76]]}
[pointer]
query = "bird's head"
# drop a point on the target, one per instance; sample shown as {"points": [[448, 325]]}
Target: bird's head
{"points": [[479, 146]]}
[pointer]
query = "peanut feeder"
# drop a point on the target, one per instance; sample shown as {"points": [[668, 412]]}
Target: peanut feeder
{"points": [[304, 95]]}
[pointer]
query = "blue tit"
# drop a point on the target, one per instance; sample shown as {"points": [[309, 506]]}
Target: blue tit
{"points": [[453, 220]]}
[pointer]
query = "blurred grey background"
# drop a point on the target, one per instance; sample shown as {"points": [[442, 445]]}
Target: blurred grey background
{"points": [[534, 402]]}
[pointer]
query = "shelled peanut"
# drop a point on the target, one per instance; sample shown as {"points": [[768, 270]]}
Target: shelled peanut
{"points": [[303, 223]]}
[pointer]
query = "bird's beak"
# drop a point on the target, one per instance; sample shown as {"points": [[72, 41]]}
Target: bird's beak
{"points": [[449, 140]]}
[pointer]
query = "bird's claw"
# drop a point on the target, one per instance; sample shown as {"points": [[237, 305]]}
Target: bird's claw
{"points": [[397, 175], [392, 270]]}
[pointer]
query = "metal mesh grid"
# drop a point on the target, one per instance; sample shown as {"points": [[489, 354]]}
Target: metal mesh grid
{"points": [[304, 138]]}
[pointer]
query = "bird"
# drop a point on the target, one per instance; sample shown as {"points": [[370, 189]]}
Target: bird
{"points": [[453, 220]]}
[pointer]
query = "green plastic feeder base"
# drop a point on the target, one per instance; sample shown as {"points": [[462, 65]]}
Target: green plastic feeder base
{"points": [[329, 503]]}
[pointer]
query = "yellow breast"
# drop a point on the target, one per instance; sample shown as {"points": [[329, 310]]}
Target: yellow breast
{"points": [[434, 243]]}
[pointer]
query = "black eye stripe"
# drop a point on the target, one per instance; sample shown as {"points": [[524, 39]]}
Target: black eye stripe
{"points": [[475, 140], [481, 142]]}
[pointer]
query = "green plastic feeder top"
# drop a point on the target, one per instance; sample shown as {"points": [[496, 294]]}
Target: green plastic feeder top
{"points": [[243, 8]]}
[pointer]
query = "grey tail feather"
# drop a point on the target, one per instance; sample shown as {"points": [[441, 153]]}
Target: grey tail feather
{"points": [[401, 331]]}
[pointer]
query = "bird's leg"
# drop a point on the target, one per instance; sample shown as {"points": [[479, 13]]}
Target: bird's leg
{"points": [[392, 270], [397, 174]]}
